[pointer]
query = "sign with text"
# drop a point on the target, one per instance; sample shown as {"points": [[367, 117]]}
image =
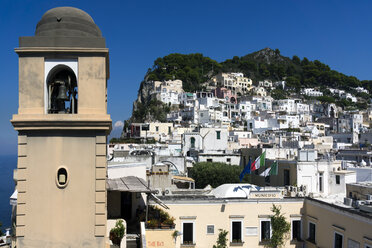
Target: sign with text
{"points": [[262, 195]]}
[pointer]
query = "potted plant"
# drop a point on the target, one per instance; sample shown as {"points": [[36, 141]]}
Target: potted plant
{"points": [[117, 233], [168, 223], [175, 234], [152, 223]]}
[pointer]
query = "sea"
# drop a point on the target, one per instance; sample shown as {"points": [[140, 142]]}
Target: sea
{"points": [[7, 164]]}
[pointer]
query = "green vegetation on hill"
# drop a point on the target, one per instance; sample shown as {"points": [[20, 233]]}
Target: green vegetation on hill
{"points": [[269, 64], [192, 69], [195, 69]]}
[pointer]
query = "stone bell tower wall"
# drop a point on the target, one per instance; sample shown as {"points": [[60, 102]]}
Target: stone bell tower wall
{"points": [[61, 170]]}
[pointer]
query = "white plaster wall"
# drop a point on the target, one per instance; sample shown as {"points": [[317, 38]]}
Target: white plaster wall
{"points": [[124, 170]]}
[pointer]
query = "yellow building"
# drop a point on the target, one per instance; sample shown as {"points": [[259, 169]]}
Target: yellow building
{"points": [[245, 210], [241, 209], [62, 125], [335, 225]]}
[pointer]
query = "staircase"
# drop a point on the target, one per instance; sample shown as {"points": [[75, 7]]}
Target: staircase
{"points": [[133, 240]]}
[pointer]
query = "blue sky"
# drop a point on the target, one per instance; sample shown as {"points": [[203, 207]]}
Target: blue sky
{"points": [[337, 33]]}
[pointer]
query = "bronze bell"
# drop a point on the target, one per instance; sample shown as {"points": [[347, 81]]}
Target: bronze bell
{"points": [[62, 92]]}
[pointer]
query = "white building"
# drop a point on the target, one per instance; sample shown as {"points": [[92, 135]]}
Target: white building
{"points": [[266, 83], [311, 92], [302, 108], [322, 177], [206, 100], [170, 97], [286, 105], [259, 91], [245, 109], [209, 116], [207, 140], [187, 99], [361, 90], [262, 103], [350, 123], [236, 82], [349, 96]]}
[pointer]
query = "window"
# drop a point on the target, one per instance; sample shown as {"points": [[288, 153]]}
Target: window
{"points": [[236, 231], [169, 130], [209, 160], [321, 182], [286, 177], [296, 229], [312, 230], [157, 129], [218, 133], [210, 229], [265, 230], [62, 89], [187, 233], [192, 141], [338, 240], [228, 160], [337, 179]]}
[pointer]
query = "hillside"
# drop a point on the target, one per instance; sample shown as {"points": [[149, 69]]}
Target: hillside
{"points": [[195, 69]]}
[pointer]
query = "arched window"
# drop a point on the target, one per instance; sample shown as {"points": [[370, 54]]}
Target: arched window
{"points": [[192, 141], [62, 91]]}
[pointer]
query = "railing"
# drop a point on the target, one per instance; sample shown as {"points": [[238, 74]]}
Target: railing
{"points": [[143, 235]]}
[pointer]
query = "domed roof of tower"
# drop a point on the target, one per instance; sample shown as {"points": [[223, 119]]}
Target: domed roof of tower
{"points": [[67, 22]]}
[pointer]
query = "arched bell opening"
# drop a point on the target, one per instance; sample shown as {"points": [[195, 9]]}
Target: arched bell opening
{"points": [[62, 90]]}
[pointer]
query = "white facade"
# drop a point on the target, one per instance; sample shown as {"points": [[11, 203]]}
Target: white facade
{"points": [[286, 105], [170, 97], [361, 90], [349, 97], [302, 108], [260, 91], [262, 103], [245, 109], [266, 83], [311, 92], [207, 140], [187, 99], [319, 177]]}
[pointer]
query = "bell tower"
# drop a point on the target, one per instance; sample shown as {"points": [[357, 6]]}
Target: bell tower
{"points": [[62, 125]]}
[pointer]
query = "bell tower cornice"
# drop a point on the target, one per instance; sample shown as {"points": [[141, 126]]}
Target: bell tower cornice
{"points": [[25, 122]]}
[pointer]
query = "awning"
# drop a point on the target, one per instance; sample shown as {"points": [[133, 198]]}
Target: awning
{"points": [[128, 184], [179, 178], [158, 201], [13, 198]]}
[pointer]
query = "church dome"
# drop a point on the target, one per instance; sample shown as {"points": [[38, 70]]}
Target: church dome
{"points": [[67, 22]]}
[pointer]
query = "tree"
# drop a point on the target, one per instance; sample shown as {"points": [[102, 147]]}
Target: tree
{"points": [[296, 60], [215, 174], [326, 99], [280, 228], [221, 240]]}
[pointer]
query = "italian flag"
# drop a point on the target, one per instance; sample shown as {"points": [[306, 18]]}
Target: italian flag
{"points": [[271, 171], [260, 161], [274, 169]]}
